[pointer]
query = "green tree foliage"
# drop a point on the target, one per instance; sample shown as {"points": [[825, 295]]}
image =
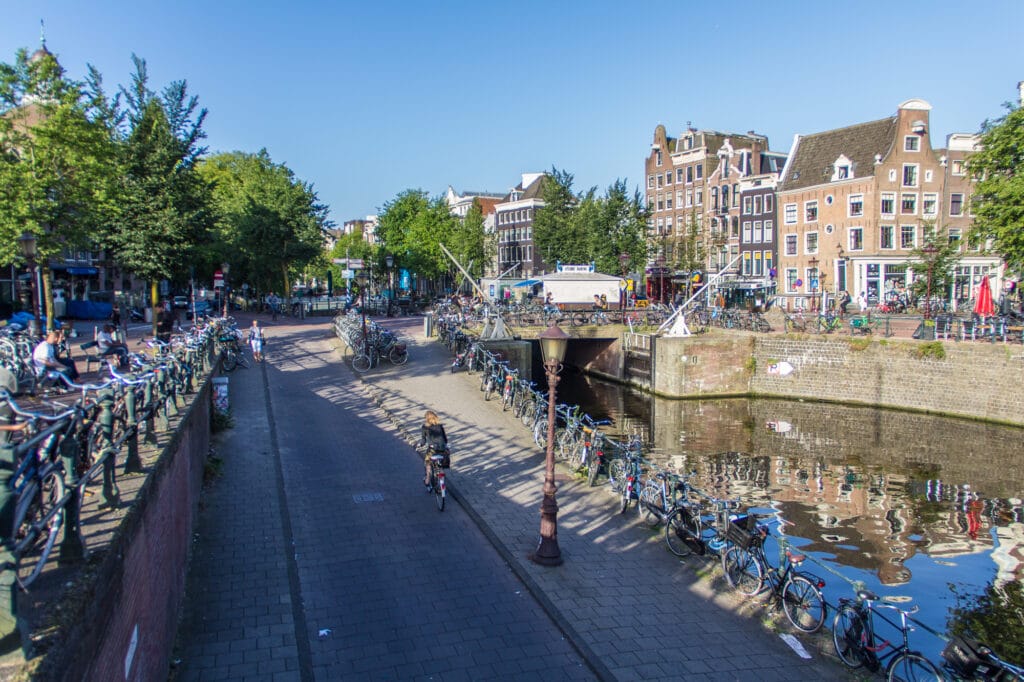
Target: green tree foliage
{"points": [[163, 211], [269, 224], [57, 171], [937, 255], [412, 226], [586, 228], [995, 618], [998, 200], [469, 244]]}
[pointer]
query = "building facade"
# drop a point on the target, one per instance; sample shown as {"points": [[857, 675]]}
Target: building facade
{"points": [[513, 225]]}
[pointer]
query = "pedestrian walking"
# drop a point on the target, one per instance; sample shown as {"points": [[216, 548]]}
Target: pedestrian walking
{"points": [[256, 340], [862, 302]]}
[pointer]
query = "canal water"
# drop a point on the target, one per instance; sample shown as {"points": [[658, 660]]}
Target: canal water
{"points": [[922, 510]]}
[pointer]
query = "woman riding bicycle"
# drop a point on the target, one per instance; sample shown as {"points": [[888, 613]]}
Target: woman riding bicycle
{"points": [[432, 436]]}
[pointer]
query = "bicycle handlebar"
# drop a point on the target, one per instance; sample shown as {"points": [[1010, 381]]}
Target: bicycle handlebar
{"points": [[22, 412]]}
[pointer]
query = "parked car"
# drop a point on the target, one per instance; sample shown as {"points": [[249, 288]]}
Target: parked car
{"points": [[202, 308]]}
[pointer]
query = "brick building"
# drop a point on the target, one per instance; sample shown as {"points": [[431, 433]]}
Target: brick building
{"points": [[513, 217]]}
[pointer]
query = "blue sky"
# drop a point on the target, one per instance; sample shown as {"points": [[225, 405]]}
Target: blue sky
{"points": [[366, 100]]}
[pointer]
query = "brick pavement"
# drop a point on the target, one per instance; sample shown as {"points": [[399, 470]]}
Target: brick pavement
{"points": [[319, 556]]}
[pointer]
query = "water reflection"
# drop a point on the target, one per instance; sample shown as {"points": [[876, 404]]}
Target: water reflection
{"points": [[878, 494]]}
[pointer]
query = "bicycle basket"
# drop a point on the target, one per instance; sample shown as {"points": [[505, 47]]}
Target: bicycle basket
{"points": [[742, 532], [962, 655]]}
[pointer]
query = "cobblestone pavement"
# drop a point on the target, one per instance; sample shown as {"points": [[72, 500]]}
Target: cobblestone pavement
{"points": [[319, 555]]}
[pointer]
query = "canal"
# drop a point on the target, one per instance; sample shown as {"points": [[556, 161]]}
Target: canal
{"points": [[922, 510]]}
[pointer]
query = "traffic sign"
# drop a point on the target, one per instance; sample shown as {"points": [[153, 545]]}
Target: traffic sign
{"points": [[351, 263]]}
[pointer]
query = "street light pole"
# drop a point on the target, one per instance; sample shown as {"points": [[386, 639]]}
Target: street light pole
{"points": [[27, 242], [813, 263], [389, 261], [553, 343], [225, 267]]}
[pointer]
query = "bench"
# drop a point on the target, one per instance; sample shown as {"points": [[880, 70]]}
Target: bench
{"points": [[92, 355]]}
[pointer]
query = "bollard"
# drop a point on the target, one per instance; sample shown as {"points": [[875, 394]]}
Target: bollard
{"points": [[132, 463], [111, 494], [72, 548], [428, 325], [8, 566]]}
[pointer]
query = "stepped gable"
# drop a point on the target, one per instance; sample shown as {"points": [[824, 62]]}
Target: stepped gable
{"points": [[812, 162]]}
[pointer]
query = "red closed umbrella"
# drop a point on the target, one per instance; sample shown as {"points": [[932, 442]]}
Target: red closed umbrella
{"points": [[984, 306]]}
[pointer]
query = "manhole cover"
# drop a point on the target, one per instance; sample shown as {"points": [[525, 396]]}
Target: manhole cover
{"points": [[362, 498]]}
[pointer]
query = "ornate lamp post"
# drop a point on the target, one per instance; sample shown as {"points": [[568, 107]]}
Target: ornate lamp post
{"points": [[225, 268], [553, 342], [929, 250], [624, 262], [813, 264], [27, 242]]}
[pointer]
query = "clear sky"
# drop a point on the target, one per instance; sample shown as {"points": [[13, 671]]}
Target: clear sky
{"points": [[367, 99]]}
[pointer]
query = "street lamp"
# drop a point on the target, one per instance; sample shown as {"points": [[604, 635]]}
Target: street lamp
{"points": [[389, 261], [553, 342], [624, 262], [813, 263], [929, 250], [225, 268], [27, 242]]}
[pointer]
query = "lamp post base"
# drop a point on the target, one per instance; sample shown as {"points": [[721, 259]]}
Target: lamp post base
{"points": [[548, 553]]}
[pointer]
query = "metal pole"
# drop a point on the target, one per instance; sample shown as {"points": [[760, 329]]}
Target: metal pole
{"points": [[548, 552]]}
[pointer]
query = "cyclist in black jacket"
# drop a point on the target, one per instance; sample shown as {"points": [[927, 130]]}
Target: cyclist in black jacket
{"points": [[432, 436]]}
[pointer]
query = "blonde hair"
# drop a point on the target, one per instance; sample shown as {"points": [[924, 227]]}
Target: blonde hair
{"points": [[431, 418]]}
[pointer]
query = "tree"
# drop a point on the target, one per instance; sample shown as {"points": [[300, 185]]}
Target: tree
{"points": [[998, 200], [468, 242], [620, 230], [269, 224], [556, 237], [56, 159], [164, 206], [412, 226], [933, 264]]}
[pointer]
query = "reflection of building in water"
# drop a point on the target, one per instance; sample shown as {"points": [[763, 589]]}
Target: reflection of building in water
{"points": [[1009, 553]]}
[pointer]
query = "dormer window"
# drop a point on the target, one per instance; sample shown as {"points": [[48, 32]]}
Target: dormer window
{"points": [[911, 143], [842, 168]]}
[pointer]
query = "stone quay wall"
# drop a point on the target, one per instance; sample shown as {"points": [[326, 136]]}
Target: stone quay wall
{"points": [[126, 630], [974, 380]]}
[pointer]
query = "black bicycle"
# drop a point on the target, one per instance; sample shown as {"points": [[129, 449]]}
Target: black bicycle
{"points": [[749, 572], [858, 646]]}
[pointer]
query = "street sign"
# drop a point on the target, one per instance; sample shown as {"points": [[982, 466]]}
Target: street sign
{"points": [[340, 261], [218, 279], [348, 274], [350, 263]]}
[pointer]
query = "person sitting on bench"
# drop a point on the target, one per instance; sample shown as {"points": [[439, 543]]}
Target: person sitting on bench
{"points": [[108, 345]]}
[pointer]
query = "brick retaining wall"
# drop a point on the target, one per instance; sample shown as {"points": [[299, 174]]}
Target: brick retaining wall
{"points": [[974, 380], [126, 630]]}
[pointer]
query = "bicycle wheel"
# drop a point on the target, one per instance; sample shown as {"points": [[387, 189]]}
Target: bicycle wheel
{"points": [[400, 356], [625, 496], [540, 432], [528, 414], [506, 400], [593, 468], [649, 506], [682, 533], [439, 493], [37, 522], [742, 571], [617, 475], [229, 360], [803, 604], [848, 636], [361, 362], [910, 666]]}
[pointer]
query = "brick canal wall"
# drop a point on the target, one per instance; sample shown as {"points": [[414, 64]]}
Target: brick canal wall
{"points": [[974, 380], [126, 630]]}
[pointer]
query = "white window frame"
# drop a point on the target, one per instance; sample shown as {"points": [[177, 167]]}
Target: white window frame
{"points": [[790, 244], [859, 232], [951, 196], [748, 232], [758, 207], [911, 143], [905, 195], [769, 203], [748, 205], [789, 214], [758, 236], [915, 170], [808, 205], [892, 237], [851, 200], [769, 231], [698, 197], [934, 199], [790, 276], [808, 238], [912, 231], [957, 168], [891, 196]]}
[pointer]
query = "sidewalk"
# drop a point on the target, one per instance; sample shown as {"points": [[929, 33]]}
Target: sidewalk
{"points": [[632, 609]]}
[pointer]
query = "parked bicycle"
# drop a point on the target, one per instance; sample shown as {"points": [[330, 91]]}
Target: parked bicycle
{"points": [[858, 645], [749, 572]]}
